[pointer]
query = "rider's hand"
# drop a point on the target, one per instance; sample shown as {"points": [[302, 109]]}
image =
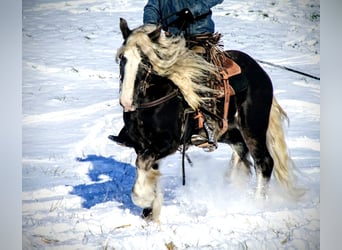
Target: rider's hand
{"points": [[186, 15]]}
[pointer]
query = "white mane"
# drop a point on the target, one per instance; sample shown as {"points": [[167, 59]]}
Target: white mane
{"points": [[171, 58]]}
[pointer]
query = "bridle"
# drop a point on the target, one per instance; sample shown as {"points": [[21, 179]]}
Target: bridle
{"points": [[144, 85]]}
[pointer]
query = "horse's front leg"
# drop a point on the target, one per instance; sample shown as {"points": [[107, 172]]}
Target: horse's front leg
{"points": [[146, 192]]}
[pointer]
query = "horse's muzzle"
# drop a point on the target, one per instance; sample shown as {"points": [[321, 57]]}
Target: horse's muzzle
{"points": [[127, 106]]}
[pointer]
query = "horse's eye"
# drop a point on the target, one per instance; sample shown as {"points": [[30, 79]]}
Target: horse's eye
{"points": [[123, 61]]}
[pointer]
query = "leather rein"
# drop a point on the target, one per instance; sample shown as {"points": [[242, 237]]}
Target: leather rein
{"points": [[144, 85], [158, 101]]}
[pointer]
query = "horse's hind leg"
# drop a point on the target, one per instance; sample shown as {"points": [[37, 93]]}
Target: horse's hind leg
{"points": [[254, 118], [240, 169], [263, 164]]}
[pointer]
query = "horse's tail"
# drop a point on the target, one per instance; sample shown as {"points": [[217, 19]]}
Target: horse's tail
{"points": [[276, 144]]}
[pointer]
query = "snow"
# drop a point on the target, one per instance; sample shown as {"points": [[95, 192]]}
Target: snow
{"points": [[76, 183]]}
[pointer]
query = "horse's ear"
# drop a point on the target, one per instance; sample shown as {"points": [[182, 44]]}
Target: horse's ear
{"points": [[154, 35], [124, 28]]}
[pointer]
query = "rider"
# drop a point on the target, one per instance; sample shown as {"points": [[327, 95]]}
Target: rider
{"points": [[191, 19]]}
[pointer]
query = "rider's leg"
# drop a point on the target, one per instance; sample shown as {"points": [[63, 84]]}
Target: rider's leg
{"points": [[208, 134]]}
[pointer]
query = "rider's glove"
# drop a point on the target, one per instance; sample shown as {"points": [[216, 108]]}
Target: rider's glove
{"points": [[186, 15]]}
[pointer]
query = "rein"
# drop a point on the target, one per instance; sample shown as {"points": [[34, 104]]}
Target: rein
{"points": [[144, 86], [158, 101]]}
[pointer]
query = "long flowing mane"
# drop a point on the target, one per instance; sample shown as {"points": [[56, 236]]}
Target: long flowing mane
{"points": [[171, 58]]}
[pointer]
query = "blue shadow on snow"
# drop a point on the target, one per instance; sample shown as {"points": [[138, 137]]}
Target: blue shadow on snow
{"points": [[116, 188]]}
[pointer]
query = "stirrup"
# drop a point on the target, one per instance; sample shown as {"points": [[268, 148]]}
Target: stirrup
{"points": [[198, 140], [208, 147], [202, 142]]}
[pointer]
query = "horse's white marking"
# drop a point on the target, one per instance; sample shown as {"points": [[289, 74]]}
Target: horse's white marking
{"points": [[240, 172], [131, 70], [144, 192], [262, 187]]}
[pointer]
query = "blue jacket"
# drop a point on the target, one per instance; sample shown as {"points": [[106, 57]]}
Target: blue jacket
{"points": [[163, 12]]}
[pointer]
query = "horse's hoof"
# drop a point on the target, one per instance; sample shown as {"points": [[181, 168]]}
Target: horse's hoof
{"points": [[147, 214]]}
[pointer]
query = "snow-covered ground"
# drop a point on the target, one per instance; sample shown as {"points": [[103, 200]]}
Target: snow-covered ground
{"points": [[76, 183]]}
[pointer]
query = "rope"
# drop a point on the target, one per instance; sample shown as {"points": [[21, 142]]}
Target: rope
{"points": [[289, 69]]}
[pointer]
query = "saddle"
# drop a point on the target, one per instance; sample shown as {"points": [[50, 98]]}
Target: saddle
{"points": [[228, 69], [231, 69], [209, 47]]}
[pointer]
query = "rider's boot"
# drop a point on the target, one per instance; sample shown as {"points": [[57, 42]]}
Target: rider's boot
{"points": [[211, 130], [207, 137], [122, 139]]}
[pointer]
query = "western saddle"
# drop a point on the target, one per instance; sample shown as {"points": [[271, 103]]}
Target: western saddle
{"points": [[209, 47]]}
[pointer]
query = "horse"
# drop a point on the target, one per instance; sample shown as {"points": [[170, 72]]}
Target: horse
{"points": [[161, 86]]}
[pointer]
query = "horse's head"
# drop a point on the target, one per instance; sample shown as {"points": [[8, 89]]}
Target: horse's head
{"points": [[145, 50], [134, 65]]}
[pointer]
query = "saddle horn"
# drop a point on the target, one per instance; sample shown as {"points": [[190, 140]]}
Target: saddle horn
{"points": [[124, 28]]}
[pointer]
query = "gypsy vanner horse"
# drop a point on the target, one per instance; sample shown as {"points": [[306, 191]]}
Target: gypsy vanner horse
{"points": [[161, 86]]}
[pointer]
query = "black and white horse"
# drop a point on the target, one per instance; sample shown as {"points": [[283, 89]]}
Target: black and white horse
{"points": [[162, 80]]}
